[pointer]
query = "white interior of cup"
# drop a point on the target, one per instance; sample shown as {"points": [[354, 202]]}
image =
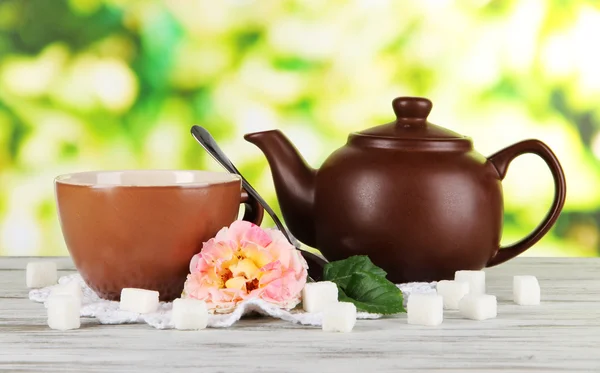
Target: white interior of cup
{"points": [[146, 178]]}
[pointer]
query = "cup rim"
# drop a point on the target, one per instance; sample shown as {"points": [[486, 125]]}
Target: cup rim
{"points": [[207, 178]]}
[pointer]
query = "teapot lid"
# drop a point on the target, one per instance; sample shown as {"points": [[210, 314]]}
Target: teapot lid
{"points": [[411, 126]]}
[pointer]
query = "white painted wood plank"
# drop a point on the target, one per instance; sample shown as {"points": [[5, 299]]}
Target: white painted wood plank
{"points": [[20, 262], [562, 334]]}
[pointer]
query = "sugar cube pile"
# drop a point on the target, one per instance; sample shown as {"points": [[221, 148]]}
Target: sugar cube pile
{"points": [[63, 312], [41, 274], [139, 300], [322, 297], [316, 296], [452, 292], [476, 280], [189, 314], [339, 317], [425, 309], [526, 290], [478, 306], [465, 293]]}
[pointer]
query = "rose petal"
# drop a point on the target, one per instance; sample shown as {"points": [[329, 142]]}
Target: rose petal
{"points": [[297, 262], [257, 235], [245, 267], [270, 272], [238, 229], [277, 236], [223, 234], [202, 265], [259, 255], [238, 283], [195, 286], [217, 252], [194, 262], [281, 288], [273, 292]]}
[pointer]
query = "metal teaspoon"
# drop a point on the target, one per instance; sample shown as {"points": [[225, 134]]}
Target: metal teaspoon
{"points": [[204, 138]]}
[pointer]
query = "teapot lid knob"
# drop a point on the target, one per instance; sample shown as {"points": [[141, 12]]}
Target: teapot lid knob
{"points": [[411, 124], [412, 108]]}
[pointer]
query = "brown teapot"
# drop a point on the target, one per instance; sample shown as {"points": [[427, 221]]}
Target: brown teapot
{"points": [[415, 197]]}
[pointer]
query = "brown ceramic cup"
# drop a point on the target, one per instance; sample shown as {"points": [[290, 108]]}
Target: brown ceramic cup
{"points": [[141, 228]]}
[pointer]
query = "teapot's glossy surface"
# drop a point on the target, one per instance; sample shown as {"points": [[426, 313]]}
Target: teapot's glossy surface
{"points": [[415, 197]]}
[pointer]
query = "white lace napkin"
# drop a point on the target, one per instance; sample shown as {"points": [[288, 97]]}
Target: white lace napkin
{"points": [[108, 312]]}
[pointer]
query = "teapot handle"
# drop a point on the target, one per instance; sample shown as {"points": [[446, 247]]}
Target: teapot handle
{"points": [[501, 160]]}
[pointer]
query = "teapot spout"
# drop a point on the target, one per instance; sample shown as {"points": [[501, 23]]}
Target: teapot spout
{"points": [[294, 182]]}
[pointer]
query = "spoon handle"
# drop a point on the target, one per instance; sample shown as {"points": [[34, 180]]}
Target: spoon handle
{"points": [[316, 263], [209, 143]]}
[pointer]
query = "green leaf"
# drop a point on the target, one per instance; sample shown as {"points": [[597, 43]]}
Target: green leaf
{"points": [[341, 271], [372, 293]]}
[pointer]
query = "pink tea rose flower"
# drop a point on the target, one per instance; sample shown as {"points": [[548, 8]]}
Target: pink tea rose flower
{"points": [[244, 261]]}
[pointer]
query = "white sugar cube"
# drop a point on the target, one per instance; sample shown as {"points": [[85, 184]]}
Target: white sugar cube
{"points": [[139, 300], [71, 288], [476, 280], [318, 295], [425, 309], [339, 317], [526, 290], [63, 312], [452, 292], [478, 306], [41, 274], [189, 314]]}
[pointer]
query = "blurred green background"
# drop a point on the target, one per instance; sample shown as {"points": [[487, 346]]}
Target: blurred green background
{"points": [[115, 84]]}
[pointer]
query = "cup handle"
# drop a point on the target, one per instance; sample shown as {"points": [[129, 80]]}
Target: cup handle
{"points": [[254, 211], [501, 160]]}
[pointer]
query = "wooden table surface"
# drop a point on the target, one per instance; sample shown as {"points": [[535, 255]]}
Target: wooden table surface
{"points": [[562, 334]]}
